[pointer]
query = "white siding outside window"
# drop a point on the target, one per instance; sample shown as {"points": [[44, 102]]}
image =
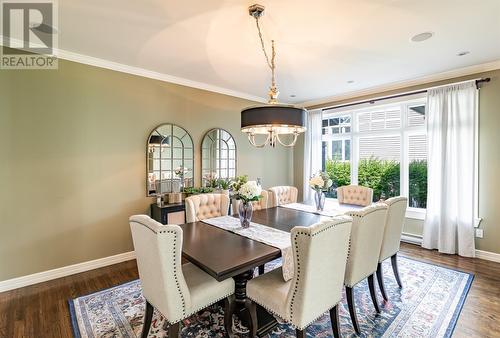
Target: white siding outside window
{"points": [[392, 133]]}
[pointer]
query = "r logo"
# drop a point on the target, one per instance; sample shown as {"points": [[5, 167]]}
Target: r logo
{"points": [[29, 36]]}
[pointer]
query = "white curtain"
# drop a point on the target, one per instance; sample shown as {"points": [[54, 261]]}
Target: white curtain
{"points": [[312, 150], [451, 131]]}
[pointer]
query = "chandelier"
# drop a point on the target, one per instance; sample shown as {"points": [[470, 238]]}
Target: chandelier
{"points": [[272, 119]]}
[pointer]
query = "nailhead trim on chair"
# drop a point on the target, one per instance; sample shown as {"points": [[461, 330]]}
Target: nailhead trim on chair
{"points": [[175, 275], [297, 268], [178, 284], [356, 214], [205, 306], [175, 267]]}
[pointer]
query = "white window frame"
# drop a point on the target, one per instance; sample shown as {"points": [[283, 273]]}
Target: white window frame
{"points": [[404, 132]]}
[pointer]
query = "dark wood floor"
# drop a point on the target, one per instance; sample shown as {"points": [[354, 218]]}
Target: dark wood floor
{"points": [[41, 310]]}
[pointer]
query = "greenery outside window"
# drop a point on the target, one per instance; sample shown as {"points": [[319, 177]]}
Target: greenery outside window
{"points": [[383, 147]]}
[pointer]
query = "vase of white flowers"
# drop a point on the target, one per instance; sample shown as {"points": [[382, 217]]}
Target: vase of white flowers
{"points": [[320, 183], [246, 194], [181, 172]]}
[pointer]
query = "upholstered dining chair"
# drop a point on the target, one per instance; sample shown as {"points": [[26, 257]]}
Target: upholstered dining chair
{"points": [[355, 194], [282, 195], [366, 240], [392, 238], [204, 206], [262, 203], [320, 254], [174, 290]]}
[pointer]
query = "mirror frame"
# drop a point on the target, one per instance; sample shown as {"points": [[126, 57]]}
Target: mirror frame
{"points": [[151, 134], [235, 152]]}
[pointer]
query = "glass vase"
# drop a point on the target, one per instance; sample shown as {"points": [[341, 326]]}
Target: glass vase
{"points": [[319, 198], [245, 211]]}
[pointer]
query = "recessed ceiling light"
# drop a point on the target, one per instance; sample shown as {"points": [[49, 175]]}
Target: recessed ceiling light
{"points": [[293, 95], [422, 36], [465, 52], [350, 81]]}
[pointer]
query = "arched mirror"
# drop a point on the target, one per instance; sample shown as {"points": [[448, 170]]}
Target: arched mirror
{"points": [[218, 155], [170, 160]]}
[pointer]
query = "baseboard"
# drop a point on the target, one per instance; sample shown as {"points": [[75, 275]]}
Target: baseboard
{"points": [[44, 276], [19, 282], [481, 254], [487, 255], [411, 238]]}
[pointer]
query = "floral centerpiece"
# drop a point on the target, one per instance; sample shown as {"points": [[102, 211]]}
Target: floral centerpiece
{"points": [[237, 183], [247, 193], [181, 173], [320, 183]]}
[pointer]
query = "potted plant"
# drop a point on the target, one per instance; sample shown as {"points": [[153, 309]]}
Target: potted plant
{"points": [[210, 180], [320, 183], [223, 185]]}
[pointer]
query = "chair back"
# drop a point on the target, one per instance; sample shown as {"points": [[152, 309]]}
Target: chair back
{"points": [[257, 205], [393, 226], [282, 195], [355, 194], [199, 207], [366, 240], [320, 255], [158, 250]]}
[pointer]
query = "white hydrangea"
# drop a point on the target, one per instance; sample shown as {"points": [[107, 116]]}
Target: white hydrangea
{"points": [[316, 182], [249, 190]]}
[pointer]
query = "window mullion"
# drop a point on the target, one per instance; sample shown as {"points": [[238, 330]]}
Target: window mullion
{"points": [[354, 149], [404, 164]]}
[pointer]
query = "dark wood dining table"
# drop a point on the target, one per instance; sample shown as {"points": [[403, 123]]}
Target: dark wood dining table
{"points": [[224, 254]]}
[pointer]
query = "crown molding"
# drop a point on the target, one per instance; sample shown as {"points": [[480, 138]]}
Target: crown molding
{"points": [[123, 68], [312, 104], [469, 70]]}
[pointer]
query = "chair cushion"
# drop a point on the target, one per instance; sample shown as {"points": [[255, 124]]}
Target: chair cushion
{"points": [[203, 288], [270, 291]]}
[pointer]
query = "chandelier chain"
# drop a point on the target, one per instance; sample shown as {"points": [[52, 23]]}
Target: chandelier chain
{"points": [[270, 63], [273, 93]]}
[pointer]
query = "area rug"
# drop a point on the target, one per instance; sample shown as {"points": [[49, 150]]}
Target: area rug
{"points": [[428, 305]]}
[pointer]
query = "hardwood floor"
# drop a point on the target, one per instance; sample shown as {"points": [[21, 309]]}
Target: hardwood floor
{"points": [[41, 310]]}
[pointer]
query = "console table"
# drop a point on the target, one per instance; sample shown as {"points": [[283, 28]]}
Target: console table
{"points": [[169, 213]]}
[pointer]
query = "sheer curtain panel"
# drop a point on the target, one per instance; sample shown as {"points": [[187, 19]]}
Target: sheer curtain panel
{"points": [[312, 150], [451, 130]]}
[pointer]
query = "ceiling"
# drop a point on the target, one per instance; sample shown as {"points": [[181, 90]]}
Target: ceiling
{"points": [[321, 45]]}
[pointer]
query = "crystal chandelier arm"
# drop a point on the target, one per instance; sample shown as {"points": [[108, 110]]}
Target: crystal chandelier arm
{"points": [[251, 139], [291, 144]]}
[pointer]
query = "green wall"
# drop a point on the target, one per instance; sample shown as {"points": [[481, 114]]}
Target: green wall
{"points": [[72, 146], [489, 157], [72, 170]]}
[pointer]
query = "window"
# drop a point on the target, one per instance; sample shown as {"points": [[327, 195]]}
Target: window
{"points": [[337, 125], [382, 147]]}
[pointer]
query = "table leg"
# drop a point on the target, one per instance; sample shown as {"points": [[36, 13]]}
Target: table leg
{"points": [[266, 322]]}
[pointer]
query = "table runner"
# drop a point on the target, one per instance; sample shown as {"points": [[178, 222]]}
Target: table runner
{"points": [[260, 233], [331, 209]]}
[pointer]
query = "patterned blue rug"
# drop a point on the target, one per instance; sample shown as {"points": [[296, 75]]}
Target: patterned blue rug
{"points": [[428, 306]]}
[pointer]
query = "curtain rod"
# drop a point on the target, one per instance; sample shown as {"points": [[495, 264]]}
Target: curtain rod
{"points": [[372, 101]]}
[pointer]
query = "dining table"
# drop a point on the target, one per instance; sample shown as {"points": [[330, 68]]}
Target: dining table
{"points": [[224, 254]]}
